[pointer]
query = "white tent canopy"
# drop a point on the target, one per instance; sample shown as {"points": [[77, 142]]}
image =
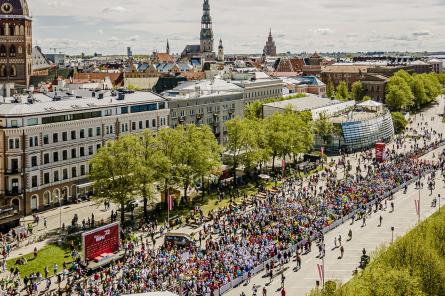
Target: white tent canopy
{"points": [[370, 104]]}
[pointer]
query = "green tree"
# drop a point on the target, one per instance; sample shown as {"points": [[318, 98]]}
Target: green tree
{"points": [[342, 92], [398, 94], [418, 88], [324, 128], [168, 141], [357, 91], [399, 122], [114, 171], [241, 139], [277, 136], [196, 155], [153, 164], [254, 110], [330, 90]]}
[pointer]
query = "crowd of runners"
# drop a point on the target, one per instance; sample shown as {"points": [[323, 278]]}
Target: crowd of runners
{"points": [[240, 237]]}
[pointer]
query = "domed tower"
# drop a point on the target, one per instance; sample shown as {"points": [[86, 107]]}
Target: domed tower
{"points": [[15, 43], [206, 29], [220, 51]]}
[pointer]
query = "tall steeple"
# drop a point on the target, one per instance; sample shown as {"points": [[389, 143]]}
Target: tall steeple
{"points": [[270, 49], [220, 56], [206, 29], [168, 47]]}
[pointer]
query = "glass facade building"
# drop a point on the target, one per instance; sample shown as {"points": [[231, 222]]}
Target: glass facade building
{"points": [[362, 134]]}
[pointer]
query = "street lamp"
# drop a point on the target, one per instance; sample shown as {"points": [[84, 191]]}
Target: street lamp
{"points": [[392, 234]]}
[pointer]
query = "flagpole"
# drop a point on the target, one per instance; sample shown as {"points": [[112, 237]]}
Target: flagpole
{"points": [[168, 208]]}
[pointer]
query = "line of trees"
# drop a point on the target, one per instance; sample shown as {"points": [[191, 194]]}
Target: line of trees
{"points": [[254, 142], [342, 92], [406, 92], [130, 166], [413, 266]]}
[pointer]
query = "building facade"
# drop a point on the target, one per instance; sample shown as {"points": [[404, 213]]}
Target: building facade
{"points": [[213, 102], [47, 140], [15, 43]]}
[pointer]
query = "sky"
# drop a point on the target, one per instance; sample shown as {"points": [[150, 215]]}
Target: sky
{"points": [[109, 26]]}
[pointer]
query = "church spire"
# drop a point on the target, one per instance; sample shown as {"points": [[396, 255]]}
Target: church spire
{"points": [[206, 29], [168, 47]]}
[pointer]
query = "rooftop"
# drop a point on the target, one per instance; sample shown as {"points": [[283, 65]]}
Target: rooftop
{"points": [[76, 100], [202, 88], [304, 104]]}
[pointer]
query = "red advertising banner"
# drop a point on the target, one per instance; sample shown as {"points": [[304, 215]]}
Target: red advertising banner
{"points": [[379, 151], [100, 241]]}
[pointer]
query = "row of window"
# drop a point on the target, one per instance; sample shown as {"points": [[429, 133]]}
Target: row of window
{"points": [[14, 30], [73, 135], [263, 93], [14, 143], [65, 155], [56, 176]]}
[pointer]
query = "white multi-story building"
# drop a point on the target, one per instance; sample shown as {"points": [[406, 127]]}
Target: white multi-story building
{"points": [[47, 140]]}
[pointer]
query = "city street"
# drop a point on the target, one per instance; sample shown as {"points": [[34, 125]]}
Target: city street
{"points": [[370, 237]]}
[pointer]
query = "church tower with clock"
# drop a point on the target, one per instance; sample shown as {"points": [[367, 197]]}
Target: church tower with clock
{"points": [[15, 43]]}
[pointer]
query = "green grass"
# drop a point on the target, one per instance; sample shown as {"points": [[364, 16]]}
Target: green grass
{"points": [[46, 257]]}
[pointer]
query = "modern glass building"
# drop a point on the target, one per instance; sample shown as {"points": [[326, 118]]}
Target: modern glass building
{"points": [[359, 130], [366, 132]]}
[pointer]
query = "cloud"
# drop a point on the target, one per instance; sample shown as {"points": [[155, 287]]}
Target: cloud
{"points": [[322, 26], [421, 33], [133, 38], [322, 31], [114, 9]]}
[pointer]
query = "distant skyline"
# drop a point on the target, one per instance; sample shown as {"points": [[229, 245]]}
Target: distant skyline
{"points": [[109, 26]]}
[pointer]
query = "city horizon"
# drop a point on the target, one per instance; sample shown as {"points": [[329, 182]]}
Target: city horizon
{"points": [[117, 26]]}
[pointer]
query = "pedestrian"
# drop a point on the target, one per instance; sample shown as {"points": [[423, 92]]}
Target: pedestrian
{"points": [[283, 292], [45, 223], [55, 268], [298, 261], [264, 291], [342, 251], [35, 252], [339, 239], [283, 278], [380, 219], [350, 235], [364, 220]]}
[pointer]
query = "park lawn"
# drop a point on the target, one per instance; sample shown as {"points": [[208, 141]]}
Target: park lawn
{"points": [[46, 257]]}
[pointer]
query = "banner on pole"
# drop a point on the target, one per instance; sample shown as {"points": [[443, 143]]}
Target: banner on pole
{"points": [[170, 203], [417, 204]]}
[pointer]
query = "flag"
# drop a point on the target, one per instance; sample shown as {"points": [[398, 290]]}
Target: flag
{"points": [[321, 272], [417, 204], [170, 203]]}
